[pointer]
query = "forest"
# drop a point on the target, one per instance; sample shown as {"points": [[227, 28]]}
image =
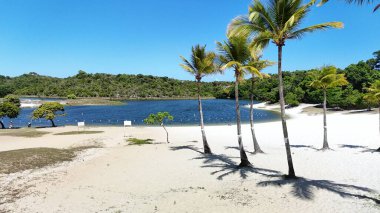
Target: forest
{"points": [[124, 86]]}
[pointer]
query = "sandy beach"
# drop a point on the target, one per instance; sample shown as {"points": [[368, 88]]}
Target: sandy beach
{"points": [[177, 177]]}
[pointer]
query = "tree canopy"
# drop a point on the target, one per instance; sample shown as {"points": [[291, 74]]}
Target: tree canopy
{"points": [[49, 111]]}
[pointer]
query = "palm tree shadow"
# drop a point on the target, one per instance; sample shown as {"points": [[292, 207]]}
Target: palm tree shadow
{"points": [[186, 147], [364, 148], [304, 188], [224, 165], [237, 148], [304, 146]]}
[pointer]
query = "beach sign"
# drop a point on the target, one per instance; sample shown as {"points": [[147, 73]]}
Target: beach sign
{"points": [[81, 124], [127, 123]]}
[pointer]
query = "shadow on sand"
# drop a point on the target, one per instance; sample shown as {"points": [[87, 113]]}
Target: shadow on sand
{"points": [[237, 148], [304, 188], [224, 165], [364, 148], [304, 146]]}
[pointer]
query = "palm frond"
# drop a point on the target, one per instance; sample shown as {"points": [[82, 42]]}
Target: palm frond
{"points": [[324, 26]]}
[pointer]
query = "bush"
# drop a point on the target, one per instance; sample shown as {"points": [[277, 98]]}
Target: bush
{"points": [[291, 100], [71, 96]]}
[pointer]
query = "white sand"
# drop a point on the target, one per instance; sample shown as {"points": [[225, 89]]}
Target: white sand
{"points": [[176, 178]]}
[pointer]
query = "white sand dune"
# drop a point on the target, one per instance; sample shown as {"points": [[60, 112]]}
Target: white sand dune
{"points": [[176, 177]]}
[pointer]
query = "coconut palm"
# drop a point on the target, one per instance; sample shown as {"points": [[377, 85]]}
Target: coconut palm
{"points": [[235, 54], [200, 65], [324, 79], [278, 22], [373, 96], [256, 62]]}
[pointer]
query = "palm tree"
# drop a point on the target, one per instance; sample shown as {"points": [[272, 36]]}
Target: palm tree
{"points": [[324, 79], [200, 65], [373, 96], [235, 54], [256, 62], [278, 22], [360, 2]]}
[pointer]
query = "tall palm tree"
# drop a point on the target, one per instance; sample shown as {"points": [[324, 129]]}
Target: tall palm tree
{"points": [[200, 65], [278, 22], [256, 62], [374, 96], [235, 54], [324, 79]]}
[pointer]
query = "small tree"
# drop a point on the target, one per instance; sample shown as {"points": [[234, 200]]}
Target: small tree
{"points": [[159, 119], [13, 99], [8, 109], [49, 111], [324, 79]]}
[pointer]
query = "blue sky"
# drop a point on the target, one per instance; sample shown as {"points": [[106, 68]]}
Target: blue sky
{"points": [[60, 37]]}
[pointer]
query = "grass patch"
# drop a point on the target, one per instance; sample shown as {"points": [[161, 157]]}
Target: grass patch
{"points": [[23, 132], [34, 158], [79, 133], [136, 141]]}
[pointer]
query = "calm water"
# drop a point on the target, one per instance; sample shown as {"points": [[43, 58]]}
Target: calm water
{"points": [[185, 112]]}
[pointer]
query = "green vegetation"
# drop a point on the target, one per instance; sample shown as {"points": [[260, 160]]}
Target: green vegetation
{"points": [[324, 79], [35, 158], [159, 119], [71, 96], [79, 133], [49, 111], [202, 63], [135, 141], [120, 86], [10, 107], [296, 87], [23, 132]]}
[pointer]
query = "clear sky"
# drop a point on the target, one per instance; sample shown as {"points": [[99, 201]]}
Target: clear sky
{"points": [[60, 37]]}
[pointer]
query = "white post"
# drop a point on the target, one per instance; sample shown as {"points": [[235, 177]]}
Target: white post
{"points": [[126, 124]]}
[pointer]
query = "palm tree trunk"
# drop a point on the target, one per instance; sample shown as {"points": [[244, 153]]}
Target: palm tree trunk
{"points": [[379, 128], [52, 123], [256, 145], [325, 143], [167, 133], [206, 147], [291, 173], [2, 125], [243, 156]]}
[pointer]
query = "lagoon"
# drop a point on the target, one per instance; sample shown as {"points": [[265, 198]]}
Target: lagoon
{"points": [[185, 112]]}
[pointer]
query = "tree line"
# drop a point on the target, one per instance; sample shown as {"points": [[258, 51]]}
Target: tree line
{"points": [[351, 96], [105, 85]]}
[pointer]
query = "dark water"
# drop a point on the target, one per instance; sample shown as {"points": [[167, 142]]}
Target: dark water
{"points": [[185, 112]]}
